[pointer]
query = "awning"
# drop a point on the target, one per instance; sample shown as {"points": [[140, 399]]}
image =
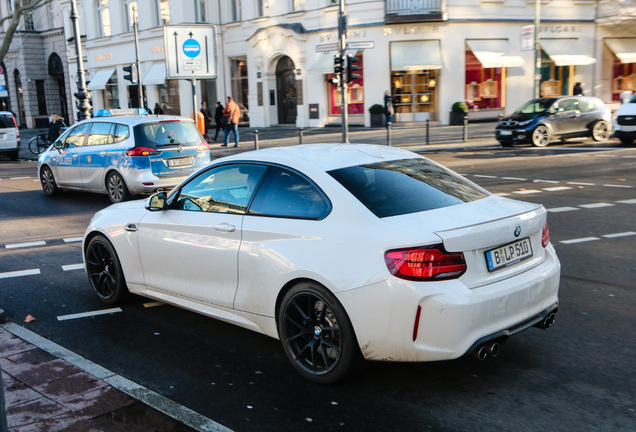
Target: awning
{"points": [[100, 79], [155, 76], [494, 53], [416, 55], [566, 52], [625, 49], [322, 64]]}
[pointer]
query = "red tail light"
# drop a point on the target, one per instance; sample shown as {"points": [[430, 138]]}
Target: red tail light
{"points": [[425, 264], [203, 147], [142, 151], [545, 235], [14, 122]]}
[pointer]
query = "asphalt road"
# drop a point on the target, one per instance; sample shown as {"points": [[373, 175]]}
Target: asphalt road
{"points": [[579, 375]]}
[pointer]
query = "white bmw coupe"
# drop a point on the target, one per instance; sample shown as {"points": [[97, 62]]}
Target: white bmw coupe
{"points": [[343, 252]]}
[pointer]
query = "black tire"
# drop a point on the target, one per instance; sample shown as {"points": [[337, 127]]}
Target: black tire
{"points": [[626, 141], [116, 188], [37, 145], [104, 271], [541, 136], [14, 156], [601, 131], [49, 186], [506, 143], [316, 334]]}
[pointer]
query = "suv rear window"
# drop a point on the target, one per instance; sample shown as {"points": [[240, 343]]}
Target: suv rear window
{"points": [[166, 133], [6, 121], [406, 186]]}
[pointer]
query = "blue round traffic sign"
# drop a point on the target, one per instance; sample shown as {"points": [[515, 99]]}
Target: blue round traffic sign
{"points": [[191, 48]]}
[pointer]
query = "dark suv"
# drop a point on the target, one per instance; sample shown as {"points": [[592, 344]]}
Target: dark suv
{"points": [[543, 120]]}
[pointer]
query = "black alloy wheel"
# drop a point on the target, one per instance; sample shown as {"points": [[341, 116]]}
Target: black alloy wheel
{"points": [[316, 333], [600, 131], [116, 188], [49, 186], [104, 271]]}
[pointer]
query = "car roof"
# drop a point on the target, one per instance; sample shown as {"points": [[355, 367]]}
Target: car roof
{"points": [[133, 120], [326, 157]]}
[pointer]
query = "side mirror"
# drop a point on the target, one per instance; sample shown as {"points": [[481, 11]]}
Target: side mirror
{"points": [[58, 145], [157, 202]]}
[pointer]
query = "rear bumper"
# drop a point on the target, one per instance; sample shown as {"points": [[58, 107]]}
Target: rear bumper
{"points": [[453, 318]]}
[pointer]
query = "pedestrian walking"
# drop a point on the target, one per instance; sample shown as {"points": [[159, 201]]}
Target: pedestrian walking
{"points": [[207, 120], [388, 108], [218, 115], [158, 109], [57, 122], [233, 113], [578, 89]]}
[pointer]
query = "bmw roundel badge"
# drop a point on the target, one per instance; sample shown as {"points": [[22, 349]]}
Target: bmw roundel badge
{"points": [[517, 231]]}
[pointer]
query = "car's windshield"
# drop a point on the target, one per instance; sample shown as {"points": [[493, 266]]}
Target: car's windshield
{"points": [[167, 133], [406, 186], [535, 106]]}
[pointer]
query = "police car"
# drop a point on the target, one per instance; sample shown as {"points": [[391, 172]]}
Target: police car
{"points": [[123, 153]]}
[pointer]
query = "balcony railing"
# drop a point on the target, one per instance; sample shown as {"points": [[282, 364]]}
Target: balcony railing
{"points": [[396, 11]]}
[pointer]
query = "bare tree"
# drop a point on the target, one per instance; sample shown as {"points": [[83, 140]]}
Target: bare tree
{"points": [[20, 7]]}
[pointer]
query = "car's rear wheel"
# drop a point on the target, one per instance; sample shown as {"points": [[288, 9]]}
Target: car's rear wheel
{"points": [[104, 271], [49, 186], [316, 333], [116, 187], [541, 136], [627, 141], [600, 131]]}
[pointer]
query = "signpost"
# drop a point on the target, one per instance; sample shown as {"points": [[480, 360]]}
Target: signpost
{"points": [[190, 54]]}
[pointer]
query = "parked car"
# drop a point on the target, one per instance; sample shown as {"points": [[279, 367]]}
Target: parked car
{"points": [[123, 155], [9, 135], [341, 251], [625, 121], [543, 120]]}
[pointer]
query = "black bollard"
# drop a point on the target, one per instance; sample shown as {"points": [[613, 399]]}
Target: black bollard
{"points": [[427, 132], [388, 134], [300, 135], [465, 128], [255, 139]]}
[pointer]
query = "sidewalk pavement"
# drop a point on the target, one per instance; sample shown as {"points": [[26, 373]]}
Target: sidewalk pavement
{"points": [[48, 388]]}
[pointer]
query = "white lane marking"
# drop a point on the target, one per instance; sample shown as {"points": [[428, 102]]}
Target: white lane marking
{"points": [[581, 184], [502, 194], [73, 239], [155, 400], [19, 178], [153, 304], [579, 240], [514, 178], [623, 234], [562, 209], [20, 273], [629, 201], [526, 192], [557, 188], [545, 181], [89, 314], [484, 176], [596, 205], [27, 244], [619, 186], [73, 267]]}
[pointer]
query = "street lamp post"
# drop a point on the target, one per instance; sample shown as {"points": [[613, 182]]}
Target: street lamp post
{"points": [[83, 95], [537, 49], [342, 47], [140, 89]]}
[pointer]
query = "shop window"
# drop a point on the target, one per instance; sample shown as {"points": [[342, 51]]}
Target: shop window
{"points": [[169, 97], [483, 85], [555, 80], [39, 89], [623, 78], [414, 91], [240, 89], [111, 93], [355, 93]]}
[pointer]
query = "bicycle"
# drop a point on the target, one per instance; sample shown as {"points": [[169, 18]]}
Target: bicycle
{"points": [[38, 144]]}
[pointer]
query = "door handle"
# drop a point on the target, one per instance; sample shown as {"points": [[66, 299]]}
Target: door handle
{"points": [[102, 153], [75, 156], [131, 227], [224, 227]]}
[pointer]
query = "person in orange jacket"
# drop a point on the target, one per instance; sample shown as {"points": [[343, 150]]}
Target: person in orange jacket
{"points": [[232, 112]]}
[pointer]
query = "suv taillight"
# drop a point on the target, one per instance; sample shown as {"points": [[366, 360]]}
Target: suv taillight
{"points": [[545, 235], [142, 151], [425, 264], [203, 146]]}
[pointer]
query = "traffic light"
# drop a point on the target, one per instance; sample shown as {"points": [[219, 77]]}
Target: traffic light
{"points": [[338, 64], [130, 73], [352, 68], [334, 81]]}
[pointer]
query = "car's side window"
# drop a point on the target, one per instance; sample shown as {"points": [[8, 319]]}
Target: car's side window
{"points": [[224, 189], [284, 193], [76, 137], [585, 105], [121, 133], [101, 133], [568, 105]]}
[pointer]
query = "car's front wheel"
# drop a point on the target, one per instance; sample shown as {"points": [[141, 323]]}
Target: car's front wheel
{"points": [[104, 271], [600, 131], [116, 188], [49, 186], [316, 333], [541, 136]]}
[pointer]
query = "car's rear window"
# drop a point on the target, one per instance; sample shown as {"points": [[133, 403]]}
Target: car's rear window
{"points": [[6, 121], [406, 186], [167, 133]]}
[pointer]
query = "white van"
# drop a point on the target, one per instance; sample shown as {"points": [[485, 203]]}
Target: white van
{"points": [[9, 135]]}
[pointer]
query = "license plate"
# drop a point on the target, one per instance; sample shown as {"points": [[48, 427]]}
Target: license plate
{"points": [[505, 132], [509, 254], [180, 162]]}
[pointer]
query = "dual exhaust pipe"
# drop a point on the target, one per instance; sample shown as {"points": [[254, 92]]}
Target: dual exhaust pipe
{"points": [[484, 351], [547, 322]]}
